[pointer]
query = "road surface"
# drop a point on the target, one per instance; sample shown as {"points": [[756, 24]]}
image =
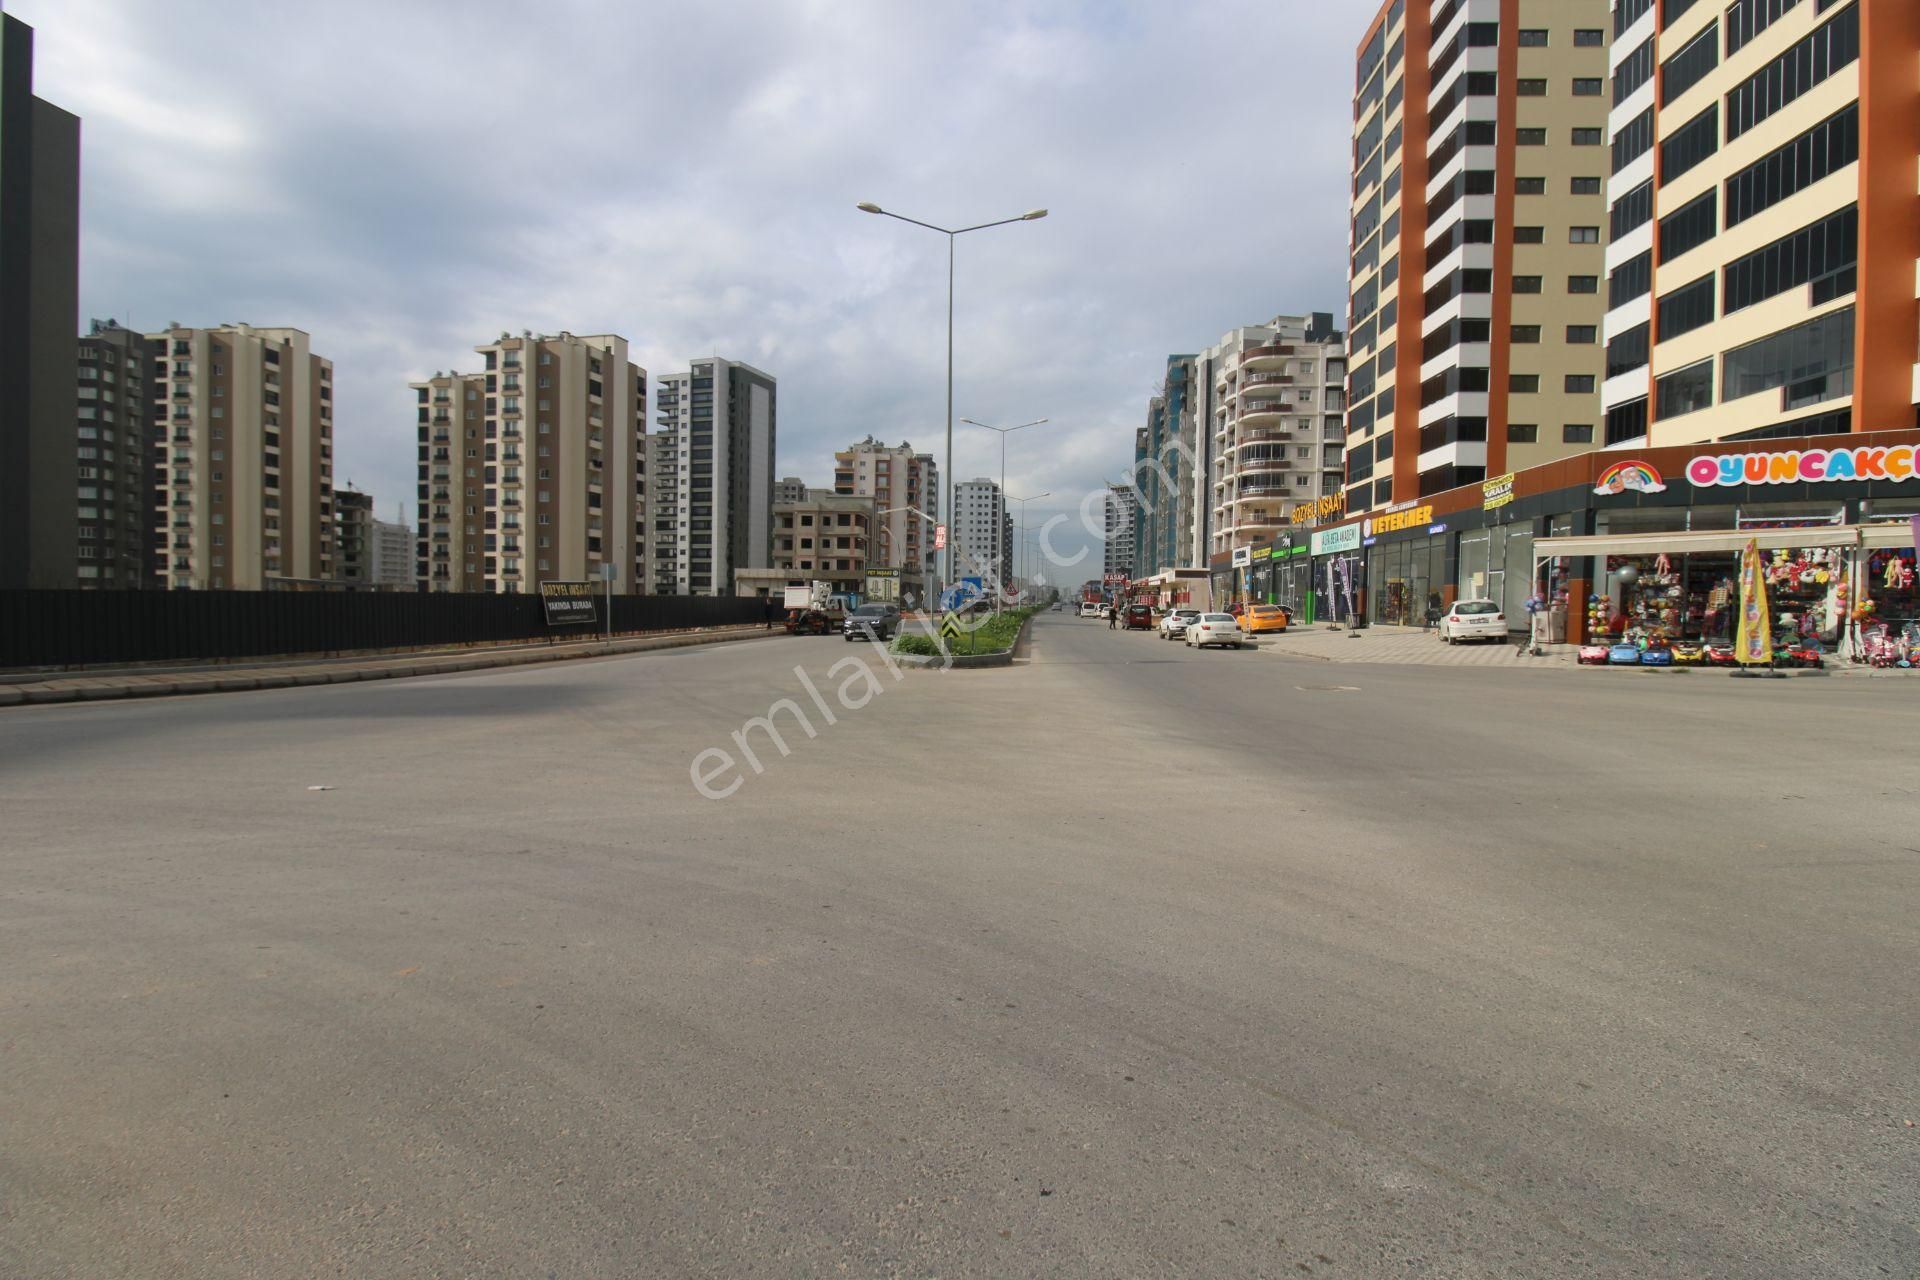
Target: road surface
{"points": [[1124, 961]]}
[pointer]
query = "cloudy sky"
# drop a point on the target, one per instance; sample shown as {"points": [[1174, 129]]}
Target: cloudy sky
{"points": [[406, 180]]}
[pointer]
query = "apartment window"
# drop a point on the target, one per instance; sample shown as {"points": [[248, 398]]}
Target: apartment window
{"points": [[1823, 254], [1530, 186], [1634, 70], [1578, 384], [1583, 235], [1526, 284], [1577, 433], [1690, 144], [1670, 10], [1583, 284], [1525, 333], [1529, 235], [1633, 209], [1631, 279], [1533, 37], [1583, 335], [1634, 140], [1691, 65], [1588, 137], [1531, 138], [1589, 37], [1587, 86], [1685, 391], [1530, 89], [1627, 351], [1523, 433], [1690, 226], [1828, 147], [1813, 361], [1833, 45], [1748, 18], [1586, 186], [1523, 384]]}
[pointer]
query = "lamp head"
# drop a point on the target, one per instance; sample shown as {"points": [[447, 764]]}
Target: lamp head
{"points": [[868, 206], [1033, 215]]}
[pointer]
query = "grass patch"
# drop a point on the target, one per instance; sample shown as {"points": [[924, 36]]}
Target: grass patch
{"points": [[993, 635]]}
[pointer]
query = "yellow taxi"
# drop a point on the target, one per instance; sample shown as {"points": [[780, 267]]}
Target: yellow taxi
{"points": [[1263, 617]]}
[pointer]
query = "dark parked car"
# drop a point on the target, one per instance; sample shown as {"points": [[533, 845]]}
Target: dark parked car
{"points": [[872, 622], [1139, 617]]}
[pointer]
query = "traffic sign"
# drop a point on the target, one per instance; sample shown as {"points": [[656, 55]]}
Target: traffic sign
{"points": [[950, 627]]}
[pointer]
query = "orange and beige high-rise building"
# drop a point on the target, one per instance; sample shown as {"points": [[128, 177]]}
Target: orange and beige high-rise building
{"points": [[244, 420], [533, 468], [1478, 227], [1765, 219]]}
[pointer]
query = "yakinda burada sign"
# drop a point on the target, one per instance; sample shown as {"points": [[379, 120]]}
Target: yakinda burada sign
{"points": [[1794, 466]]}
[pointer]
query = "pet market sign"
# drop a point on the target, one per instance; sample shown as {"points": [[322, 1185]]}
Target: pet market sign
{"points": [[1809, 466]]}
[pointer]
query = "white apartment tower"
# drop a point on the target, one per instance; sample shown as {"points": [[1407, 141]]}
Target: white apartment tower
{"points": [[533, 468], [982, 531], [246, 492], [712, 494], [1275, 394], [1120, 507]]}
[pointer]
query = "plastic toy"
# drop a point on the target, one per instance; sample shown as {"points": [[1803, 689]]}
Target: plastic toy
{"points": [[1623, 655], [1593, 655]]}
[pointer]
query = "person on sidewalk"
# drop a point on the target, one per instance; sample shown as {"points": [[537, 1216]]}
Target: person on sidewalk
{"points": [[766, 609], [1433, 610], [1113, 618]]}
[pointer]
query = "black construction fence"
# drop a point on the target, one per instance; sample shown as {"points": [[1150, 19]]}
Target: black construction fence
{"points": [[92, 628]]}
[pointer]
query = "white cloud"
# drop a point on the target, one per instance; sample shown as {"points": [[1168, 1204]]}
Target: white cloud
{"points": [[404, 181]]}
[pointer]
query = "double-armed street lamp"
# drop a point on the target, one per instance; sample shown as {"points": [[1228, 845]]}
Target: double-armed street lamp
{"points": [[867, 206], [999, 528], [1020, 544]]}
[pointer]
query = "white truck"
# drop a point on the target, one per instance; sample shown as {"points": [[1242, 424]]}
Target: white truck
{"points": [[813, 609]]}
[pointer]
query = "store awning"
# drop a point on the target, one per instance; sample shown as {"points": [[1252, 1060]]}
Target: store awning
{"points": [[1701, 540]]}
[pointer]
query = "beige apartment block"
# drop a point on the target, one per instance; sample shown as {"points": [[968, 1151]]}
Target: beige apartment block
{"points": [[905, 488], [1477, 242], [1765, 220], [1275, 392], [533, 468], [246, 501]]}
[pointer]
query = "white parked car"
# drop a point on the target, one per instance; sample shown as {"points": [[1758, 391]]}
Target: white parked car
{"points": [[1214, 628], [1473, 620], [1088, 609], [1175, 624]]}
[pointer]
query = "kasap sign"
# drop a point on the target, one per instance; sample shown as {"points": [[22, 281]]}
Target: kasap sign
{"points": [[1809, 466]]}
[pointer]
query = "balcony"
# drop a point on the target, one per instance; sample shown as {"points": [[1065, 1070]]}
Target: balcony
{"points": [[1262, 413], [1271, 356], [1254, 381]]}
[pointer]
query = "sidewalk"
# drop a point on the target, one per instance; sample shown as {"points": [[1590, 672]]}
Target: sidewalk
{"points": [[283, 674], [1412, 647]]}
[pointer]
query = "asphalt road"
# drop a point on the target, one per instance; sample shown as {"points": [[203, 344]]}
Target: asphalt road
{"points": [[1125, 961]]}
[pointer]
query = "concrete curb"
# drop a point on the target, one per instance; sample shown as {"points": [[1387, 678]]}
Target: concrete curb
{"points": [[83, 689], [967, 661]]}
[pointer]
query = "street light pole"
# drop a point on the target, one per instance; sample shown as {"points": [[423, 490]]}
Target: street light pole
{"points": [[1031, 215], [1020, 543], [1000, 525]]}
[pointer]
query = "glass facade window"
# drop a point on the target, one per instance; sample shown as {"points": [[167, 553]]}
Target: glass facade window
{"points": [[1685, 391], [1634, 70], [1633, 209], [1691, 65], [1812, 361], [1827, 249], [1831, 46], [1828, 147], [1687, 308], [1691, 144], [1690, 226]]}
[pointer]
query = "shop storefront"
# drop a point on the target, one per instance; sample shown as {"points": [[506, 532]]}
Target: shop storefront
{"points": [[1338, 569], [1650, 541]]}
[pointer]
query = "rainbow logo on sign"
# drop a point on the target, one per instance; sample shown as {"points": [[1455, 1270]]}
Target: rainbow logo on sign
{"points": [[1630, 477]]}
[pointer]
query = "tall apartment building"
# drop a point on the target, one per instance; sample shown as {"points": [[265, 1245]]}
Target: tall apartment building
{"points": [[353, 537], [789, 489], [712, 508], [1170, 473], [534, 468], [1118, 521], [245, 472], [1764, 218], [905, 488], [1274, 395], [982, 530], [116, 456], [1479, 217], [39, 308]]}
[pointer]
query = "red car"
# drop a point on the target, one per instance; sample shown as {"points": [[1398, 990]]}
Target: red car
{"points": [[1139, 617]]}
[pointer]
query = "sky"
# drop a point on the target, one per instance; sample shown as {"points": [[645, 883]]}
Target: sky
{"points": [[405, 181]]}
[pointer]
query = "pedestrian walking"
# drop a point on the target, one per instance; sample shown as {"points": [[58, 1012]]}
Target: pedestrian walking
{"points": [[766, 610]]}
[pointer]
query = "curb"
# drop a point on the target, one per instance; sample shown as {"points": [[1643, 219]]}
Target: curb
{"points": [[153, 687]]}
